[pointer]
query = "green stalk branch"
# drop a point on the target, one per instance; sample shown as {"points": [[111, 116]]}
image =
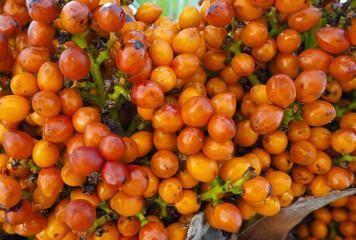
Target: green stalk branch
{"points": [[163, 207], [253, 79], [309, 37], [235, 47], [80, 40], [108, 216], [292, 112], [142, 217], [275, 29], [86, 85], [118, 91], [220, 187], [340, 111], [30, 164], [90, 97], [344, 158], [137, 123]]}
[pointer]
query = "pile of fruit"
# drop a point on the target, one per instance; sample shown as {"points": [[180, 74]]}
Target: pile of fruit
{"points": [[336, 221], [117, 124]]}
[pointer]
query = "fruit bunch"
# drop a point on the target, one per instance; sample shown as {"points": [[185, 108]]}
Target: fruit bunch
{"points": [[115, 123], [334, 221]]}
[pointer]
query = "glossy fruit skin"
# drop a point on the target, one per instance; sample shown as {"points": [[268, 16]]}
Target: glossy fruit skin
{"points": [[37, 10], [153, 231], [303, 152], [19, 213], [197, 111], [280, 181], [164, 164], [76, 17], [234, 168], [186, 41], [170, 190], [227, 217], [338, 178], [190, 140], [46, 104], [314, 58], [114, 174], [70, 101], [291, 7], [74, 63], [11, 192], [111, 17], [219, 13], [137, 180], [49, 181], [58, 129], [281, 90], [243, 64], [201, 167], [16, 105], [125, 204], [131, 58], [32, 58], [147, 94], [34, 224], [74, 213], [221, 127], [168, 118], [332, 39], [310, 85], [18, 144], [185, 65], [188, 203], [266, 119], [343, 68], [318, 113], [112, 147], [305, 19], [257, 189], [86, 160]]}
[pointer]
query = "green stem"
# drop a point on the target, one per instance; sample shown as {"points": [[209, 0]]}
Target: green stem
{"points": [[118, 91], [86, 85], [253, 219], [310, 38], [235, 47], [136, 123], [143, 161], [313, 2], [163, 207], [228, 186], [91, 97], [333, 231], [80, 40], [114, 114], [142, 217], [27, 195], [253, 79], [98, 222], [329, 77], [344, 158], [104, 54], [352, 5], [292, 112], [340, 111], [30, 164], [103, 219], [342, 22], [275, 29]]}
